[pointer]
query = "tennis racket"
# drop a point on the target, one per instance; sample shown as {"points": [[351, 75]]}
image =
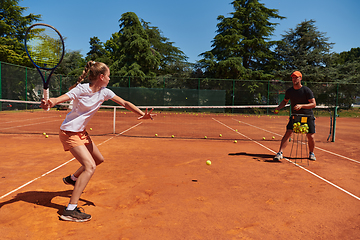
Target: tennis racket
{"points": [[45, 47]]}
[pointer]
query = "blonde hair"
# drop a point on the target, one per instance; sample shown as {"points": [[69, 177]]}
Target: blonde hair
{"points": [[95, 69]]}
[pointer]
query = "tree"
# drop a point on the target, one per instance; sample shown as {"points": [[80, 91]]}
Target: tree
{"points": [[131, 50], [306, 49], [72, 64], [98, 52], [350, 56], [173, 61], [244, 37], [12, 32]]}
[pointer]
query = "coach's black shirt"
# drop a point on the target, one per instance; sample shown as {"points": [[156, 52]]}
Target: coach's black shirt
{"points": [[300, 96]]}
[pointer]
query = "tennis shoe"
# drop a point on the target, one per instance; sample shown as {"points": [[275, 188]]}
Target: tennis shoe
{"points": [[75, 215], [68, 181], [312, 156], [278, 156]]}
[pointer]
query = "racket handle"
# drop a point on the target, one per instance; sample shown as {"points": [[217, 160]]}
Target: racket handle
{"points": [[46, 96]]}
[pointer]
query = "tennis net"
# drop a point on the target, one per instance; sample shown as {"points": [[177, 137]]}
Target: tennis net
{"points": [[26, 117]]}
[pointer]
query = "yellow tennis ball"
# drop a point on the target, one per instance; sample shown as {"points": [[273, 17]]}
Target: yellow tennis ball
{"points": [[208, 162], [90, 129], [172, 136], [205, 137], [46, 136], [235, 141], [263, 138], [156, 135], [273, 137], [44, 133], [220, 135]]}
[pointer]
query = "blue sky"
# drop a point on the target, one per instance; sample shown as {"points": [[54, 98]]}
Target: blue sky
{"points": [[191, 24]]}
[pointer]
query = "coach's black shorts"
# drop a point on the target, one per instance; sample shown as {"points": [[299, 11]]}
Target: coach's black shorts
{"points": [[309, 119]]}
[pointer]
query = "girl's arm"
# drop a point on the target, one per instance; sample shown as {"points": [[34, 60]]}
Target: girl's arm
{"points": [[131, 107], [54, 101]]}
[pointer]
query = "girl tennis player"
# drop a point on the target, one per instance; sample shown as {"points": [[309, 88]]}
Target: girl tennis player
{"points": [[87, 98]]}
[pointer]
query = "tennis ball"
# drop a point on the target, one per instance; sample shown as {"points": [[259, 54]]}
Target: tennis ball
{"points": [[273, 137], [208, 162], [220, 135], [44, 133], [235, 141], [172, 136], [205, 137], [90, 129], [263, 138], [156, 135], [46, 136]]}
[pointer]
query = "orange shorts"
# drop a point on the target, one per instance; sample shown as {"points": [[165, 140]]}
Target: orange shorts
{"points": [[74, 139]]}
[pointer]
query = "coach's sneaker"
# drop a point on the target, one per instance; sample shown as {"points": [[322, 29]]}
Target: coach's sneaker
{"points": [[312, 156], [278, 156], [68, 181], [75, 215]]}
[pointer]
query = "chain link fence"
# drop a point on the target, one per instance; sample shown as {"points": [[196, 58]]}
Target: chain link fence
{"points": [[23, 83]]}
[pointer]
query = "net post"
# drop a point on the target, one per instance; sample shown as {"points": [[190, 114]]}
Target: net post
{"points": [[268, 96], [334, 124], [233, 95], [26, 78], [60, 90], [114, 118], [0, 88]]}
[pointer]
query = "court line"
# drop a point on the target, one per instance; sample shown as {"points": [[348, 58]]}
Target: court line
{"points": [[312, 173], [324, 150], [43, 175], [24, 120], [18, 126]]}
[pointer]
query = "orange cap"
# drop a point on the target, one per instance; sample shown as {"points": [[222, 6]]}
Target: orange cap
{"points": [[296, 74]]}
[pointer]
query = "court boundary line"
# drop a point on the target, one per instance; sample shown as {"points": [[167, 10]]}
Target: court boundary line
{"points": [[321, 149], [301, 167], [19, 126], [60, 166]]}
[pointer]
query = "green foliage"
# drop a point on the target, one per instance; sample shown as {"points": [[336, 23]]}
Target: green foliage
{"points": [[12, 32], [242, 42], [130, 49], [305, 49], [350, 56], [173, 61], [97, 49], [72, 64], [12, 51]]}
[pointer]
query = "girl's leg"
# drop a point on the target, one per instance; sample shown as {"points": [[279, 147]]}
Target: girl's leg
{"points": [[82, 154], [95, 153]]}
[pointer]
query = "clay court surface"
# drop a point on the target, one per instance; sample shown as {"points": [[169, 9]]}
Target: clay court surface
{"points": [[161, 188]]}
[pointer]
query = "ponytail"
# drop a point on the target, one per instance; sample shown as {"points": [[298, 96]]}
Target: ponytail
{"points": [[88, 66]]}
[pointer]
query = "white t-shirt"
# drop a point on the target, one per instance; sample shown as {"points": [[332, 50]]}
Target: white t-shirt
{"points": [[85, 104]]}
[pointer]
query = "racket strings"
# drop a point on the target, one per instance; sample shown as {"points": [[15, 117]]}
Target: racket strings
{"points": [[45, 47]]}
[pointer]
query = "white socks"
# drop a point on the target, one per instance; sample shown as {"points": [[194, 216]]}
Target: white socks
{"points": [[71, 207]]}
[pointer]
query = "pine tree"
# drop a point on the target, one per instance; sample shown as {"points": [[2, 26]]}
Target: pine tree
{"points": [[306, 49], [244, 37]]}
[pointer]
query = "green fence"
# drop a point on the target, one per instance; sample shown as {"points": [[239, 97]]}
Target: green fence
{"points": [[22, 83]]}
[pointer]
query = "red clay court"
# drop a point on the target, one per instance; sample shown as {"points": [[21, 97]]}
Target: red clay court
{"points": [[160, 187]]}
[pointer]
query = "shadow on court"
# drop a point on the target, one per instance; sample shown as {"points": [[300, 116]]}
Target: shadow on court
{"points": [[44, 199], [257, 156]]}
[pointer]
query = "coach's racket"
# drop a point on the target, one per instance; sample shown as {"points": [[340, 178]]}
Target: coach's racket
{"points": [[45, 47]]}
